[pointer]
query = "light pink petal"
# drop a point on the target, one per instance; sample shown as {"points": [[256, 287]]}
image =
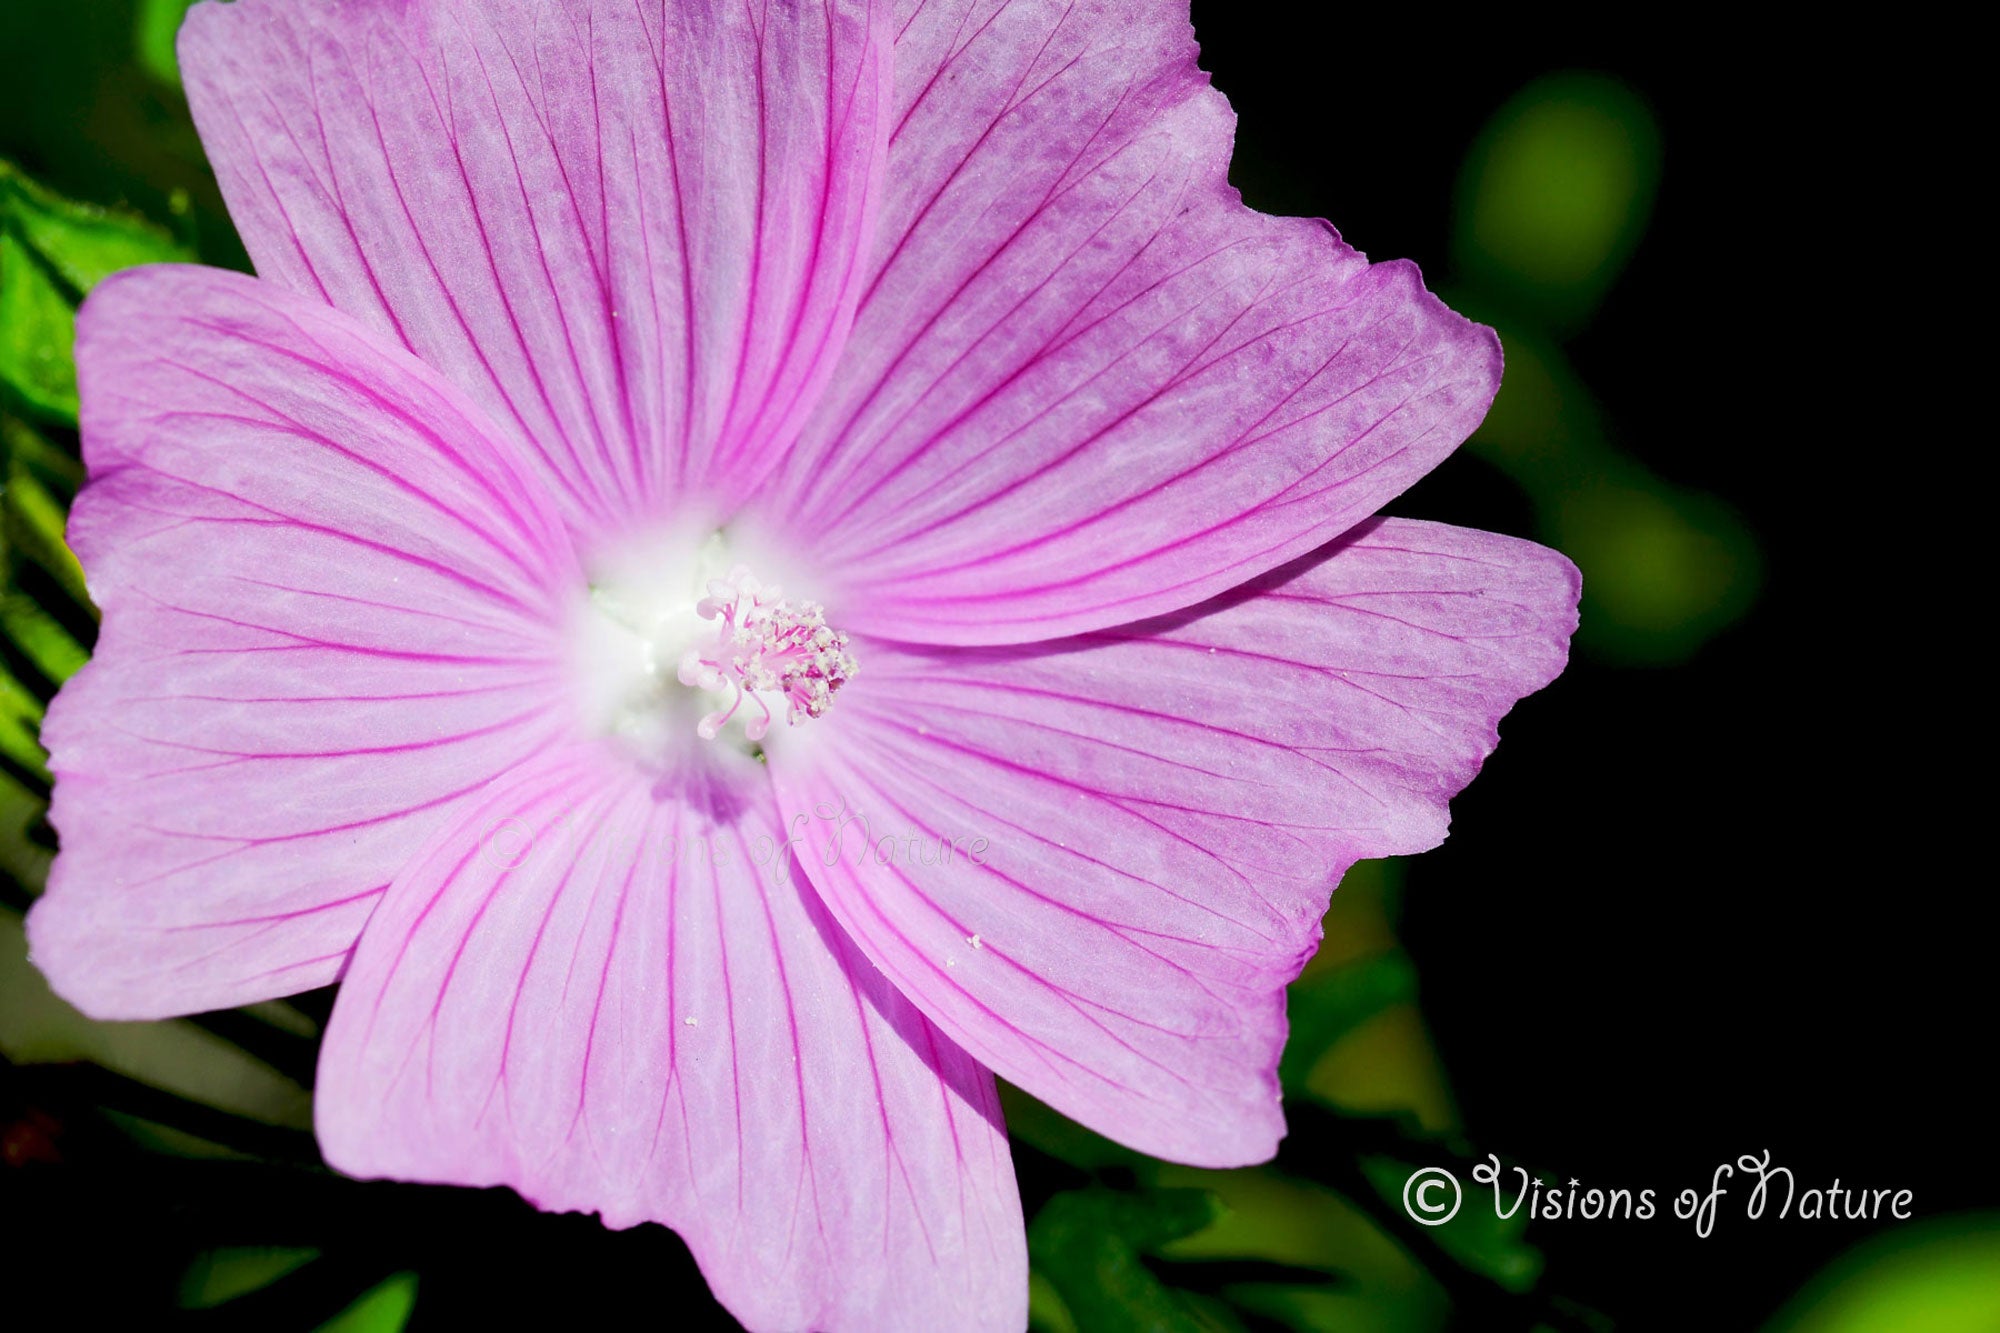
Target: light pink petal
{"points": [[1085, 384], [328, 614], [615, 994], [1164, 811], [631, 230]]}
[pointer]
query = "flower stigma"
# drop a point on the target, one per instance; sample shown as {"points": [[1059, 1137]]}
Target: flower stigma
{"points": [[765, 646], [704, 647]]}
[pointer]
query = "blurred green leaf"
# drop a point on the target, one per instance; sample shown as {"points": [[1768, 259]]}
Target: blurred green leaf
{"points": [[1940, 1276], [384, 1309], [22, 759], [37, 328], [1552, 200], [1325, 1006], [158, 24], [45, 643], [52, 252], [1046, 1311], [37, 1027], [220, 1276], [24, 863], [82, 244], [1557, 192], [1665, 568], [1030, 1121], [1479, 1239], [1545, 426], [1279, 1217], [1089, 1245], [45, 612]]}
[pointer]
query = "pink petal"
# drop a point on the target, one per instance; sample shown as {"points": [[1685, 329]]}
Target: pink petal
{"points": [[1165, 808], [614, 995], [631, 231], [1085, 384], [328, 610]]}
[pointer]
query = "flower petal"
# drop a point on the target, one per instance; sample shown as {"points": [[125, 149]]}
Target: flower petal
{"points": [[328, 611], [630, 231], [1145, 824], [616, 995], [1086, 384]]}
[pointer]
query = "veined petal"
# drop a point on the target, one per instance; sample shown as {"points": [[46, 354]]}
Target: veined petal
{"points": [[630, 229], [1086, 384], [329, 614], [1144, 824], [615, 994]]}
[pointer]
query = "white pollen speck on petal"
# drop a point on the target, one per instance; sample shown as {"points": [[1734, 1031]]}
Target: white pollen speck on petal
{"points": [[689, 1021], [975, 941]]}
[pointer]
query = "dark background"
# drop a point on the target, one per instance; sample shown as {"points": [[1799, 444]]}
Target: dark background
{"points": [[1698, 911], [1692, 910]]}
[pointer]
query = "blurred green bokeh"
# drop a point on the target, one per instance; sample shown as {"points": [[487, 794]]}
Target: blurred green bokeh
{"points": [[384, 1308], [1664, 567], [157, 25], [1939, 1276], [1554, 198], [1556, 193]]}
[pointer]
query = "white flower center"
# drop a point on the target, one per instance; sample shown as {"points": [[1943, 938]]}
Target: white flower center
{"points": [[672, 647]]}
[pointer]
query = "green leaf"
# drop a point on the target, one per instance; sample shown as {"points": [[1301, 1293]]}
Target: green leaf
{"points": [[37, 329], [82, 244], [1047, 1130], [174, 1055], [1364, 1280], [1942, 1276], [1046, 1311], [1478, 1238], [24, 863], [219, 1276], [52, 252], [1325, 1006], [39, 638], [385, 1308], [1089, 1245], [158, 24], [21, 754], [35, 514]]}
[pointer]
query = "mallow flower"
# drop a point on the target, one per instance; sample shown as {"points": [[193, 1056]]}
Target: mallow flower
{"points": [[743, 567]]}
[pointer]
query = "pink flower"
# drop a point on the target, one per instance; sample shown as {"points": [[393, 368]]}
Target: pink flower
{"points": [[742, 566]]}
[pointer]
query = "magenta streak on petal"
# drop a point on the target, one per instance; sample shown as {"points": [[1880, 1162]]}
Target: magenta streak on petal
{"points": [[830, 1161], [1073, 452], [633, 233], [251, 569], [1086, 385], [607, 270], [1164, 827]]}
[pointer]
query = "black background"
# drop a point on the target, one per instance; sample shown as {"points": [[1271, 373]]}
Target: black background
{"points": [[1687, 912], [1694, 912]]}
